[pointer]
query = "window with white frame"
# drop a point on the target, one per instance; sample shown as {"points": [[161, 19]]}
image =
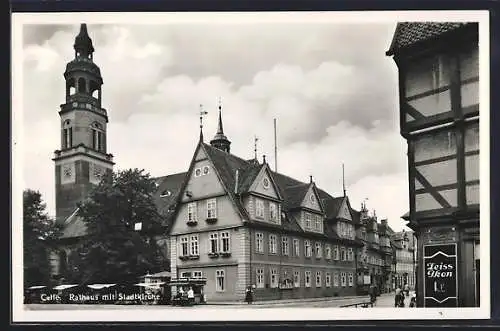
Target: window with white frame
{"points": [[336, 279], [350, 254], [351, 279], [259, 242], [191, 209], [307, 248], [184, 246], [328, 251], [343, 279], [284, 246], [296, 247], [272, 244], [335, 252], [296, 278], [328, 280], [212, 208], [197, 274], [317, 224], [273, 212], [259, 208], [308, 221], [225, 242], [194, 245], [318, 278], [186, 274], [342, 254], [274, 278], [259, 274], [318, 250], [213, 245], [307, 278], [220, 281]]}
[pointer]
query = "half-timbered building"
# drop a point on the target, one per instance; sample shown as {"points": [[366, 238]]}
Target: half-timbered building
{"points": [[438, 67]]}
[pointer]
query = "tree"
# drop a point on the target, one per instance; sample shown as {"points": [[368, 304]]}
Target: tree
{"points": [[38, 231], [113, 251]]}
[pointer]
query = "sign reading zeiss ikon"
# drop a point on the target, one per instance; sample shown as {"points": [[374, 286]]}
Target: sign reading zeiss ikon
{"points": [[440, 275]]}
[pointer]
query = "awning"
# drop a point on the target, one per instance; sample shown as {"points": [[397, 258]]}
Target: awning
{"points": [[64, 287], [161, 274], [100, 286], [151, 285], [36, 287]]}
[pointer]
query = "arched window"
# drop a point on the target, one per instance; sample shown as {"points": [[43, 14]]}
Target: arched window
{"points": [[67, 138], [82, 85], [97, 137], [70, 87]]}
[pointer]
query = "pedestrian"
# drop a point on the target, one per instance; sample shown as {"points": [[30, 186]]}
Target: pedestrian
{"points": [[397, 297], [249, 295], [407, 289], [373, 294], [413, 301], [190, 295]]}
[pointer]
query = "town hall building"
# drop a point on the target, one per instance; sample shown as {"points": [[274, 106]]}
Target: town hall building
{"points": [[233, 221]]}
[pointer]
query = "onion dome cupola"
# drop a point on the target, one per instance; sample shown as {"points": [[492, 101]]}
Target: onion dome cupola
{"points": [[220, 141], [83, 76]]}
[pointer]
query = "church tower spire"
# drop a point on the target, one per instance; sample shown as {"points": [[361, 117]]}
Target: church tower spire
{"points": [[82, 158], [220, 141]]}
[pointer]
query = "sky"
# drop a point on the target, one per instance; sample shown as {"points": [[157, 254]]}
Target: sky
{"points": [[331, 88]]}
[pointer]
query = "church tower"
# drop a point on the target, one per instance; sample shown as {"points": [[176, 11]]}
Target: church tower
{"points": [[220, 141], [83, 157]]}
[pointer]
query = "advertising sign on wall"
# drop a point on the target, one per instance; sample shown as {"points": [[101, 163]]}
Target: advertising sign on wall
{"points": [[440, 275]]}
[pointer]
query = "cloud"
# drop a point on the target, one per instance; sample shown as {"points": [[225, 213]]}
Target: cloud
{"points": [[334, 102]]}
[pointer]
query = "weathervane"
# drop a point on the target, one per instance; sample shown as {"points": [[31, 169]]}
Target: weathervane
{"points": [[202, 113]]}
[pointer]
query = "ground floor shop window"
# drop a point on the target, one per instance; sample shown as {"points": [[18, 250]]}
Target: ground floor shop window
{"points": [[328, 280], [318, 278], [260, 278], [307, 277], [220, 284], [296, 279]]}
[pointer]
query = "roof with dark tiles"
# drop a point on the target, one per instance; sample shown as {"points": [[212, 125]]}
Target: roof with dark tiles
{"points": [[410, 33], [291, 190]]}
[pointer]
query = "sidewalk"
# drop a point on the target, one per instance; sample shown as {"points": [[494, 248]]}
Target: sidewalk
{"points": [[348, 299]]}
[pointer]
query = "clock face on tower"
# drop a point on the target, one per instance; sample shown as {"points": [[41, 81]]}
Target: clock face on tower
{"points": [[96, 173], [67, 173]]}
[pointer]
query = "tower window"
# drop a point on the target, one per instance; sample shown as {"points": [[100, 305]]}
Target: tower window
{"points": [[97, 138], [67, 137], [82, 85]]}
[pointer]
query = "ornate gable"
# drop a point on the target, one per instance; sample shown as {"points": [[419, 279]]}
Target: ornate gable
{"points": [[344, 211], [311, 200], [264, 184]]}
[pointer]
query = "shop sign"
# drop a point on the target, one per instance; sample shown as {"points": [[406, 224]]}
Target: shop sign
{"points": [[440, 275]]}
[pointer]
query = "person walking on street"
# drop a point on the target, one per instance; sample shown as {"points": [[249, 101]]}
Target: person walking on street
{"points": [[407, 289], [373, 294], [249, 295], [190, 296]]}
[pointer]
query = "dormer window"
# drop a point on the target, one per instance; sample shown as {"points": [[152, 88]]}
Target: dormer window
{"points": [[205, 170], [259, 208], [165, 193], [197, 172], [273, 213]]}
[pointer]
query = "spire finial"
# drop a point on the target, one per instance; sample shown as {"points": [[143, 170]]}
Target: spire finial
{"points": [[202, 113], [343, 179], [255, 140], [310, 179], [83, 44], [263, 159], [220, 129]]}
